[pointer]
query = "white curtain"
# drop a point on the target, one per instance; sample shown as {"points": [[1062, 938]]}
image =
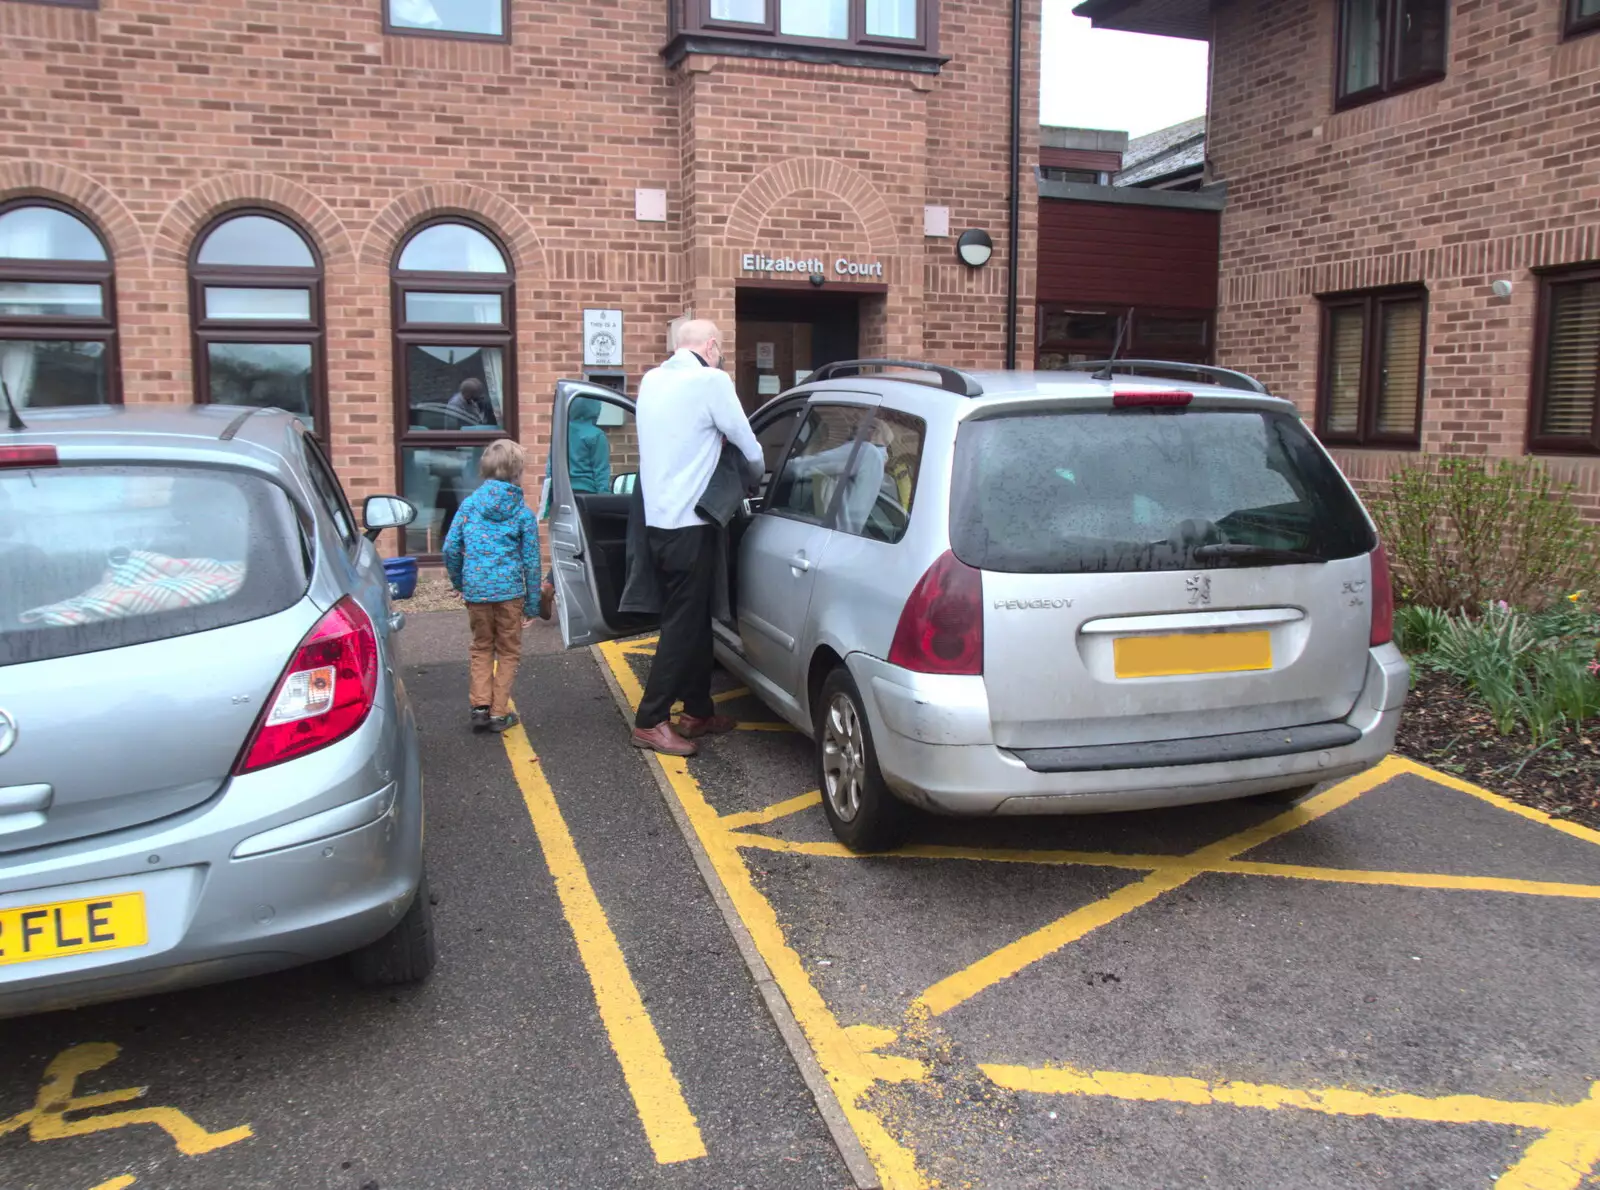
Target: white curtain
{"points": [[494, 369], [18, 362]]}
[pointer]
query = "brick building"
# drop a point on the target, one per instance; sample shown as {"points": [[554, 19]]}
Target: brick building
{"points": [[351, 207], [1411, 237]]}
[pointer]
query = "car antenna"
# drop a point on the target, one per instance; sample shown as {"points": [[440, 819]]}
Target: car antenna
{"points": [[1116, 348], [16, 422]]}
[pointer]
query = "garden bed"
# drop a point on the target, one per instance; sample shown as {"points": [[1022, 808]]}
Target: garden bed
{"points": [[1448, 727]]}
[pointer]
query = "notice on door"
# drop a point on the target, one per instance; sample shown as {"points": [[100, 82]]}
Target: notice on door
{"points": [[766, 354], [768, 386]]}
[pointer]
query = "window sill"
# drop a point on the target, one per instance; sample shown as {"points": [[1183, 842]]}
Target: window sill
{"points": [[446, 35], [1581, 28], [734, 45], [1368, 98]]}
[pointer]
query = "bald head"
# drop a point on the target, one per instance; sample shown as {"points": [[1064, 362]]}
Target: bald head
{"points": [[701, 336]]}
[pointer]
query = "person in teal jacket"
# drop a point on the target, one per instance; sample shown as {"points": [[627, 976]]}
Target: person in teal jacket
{"points": [[492, 557], [588, 466]]}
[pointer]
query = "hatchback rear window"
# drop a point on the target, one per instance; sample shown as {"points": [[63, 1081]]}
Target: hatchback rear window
{"points": [[1118, 491], [105, 557]]}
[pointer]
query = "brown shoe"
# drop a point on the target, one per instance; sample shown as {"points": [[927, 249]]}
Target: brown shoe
{"points": [[661, 738], [547, 600], [692, 727]]}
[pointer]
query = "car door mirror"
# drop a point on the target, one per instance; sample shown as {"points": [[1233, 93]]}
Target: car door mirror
{"points": [[386, 512], [623, 485]]}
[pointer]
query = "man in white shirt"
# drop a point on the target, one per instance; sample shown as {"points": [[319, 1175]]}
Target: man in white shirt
{"points": [[687, 408]]}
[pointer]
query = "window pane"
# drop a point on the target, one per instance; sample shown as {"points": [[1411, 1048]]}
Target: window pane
{"points": [[1422, 29], [455, 388], [1400, 380], [752, 12], [1343, 364], [269, 375], [1587, 9], [478, 308], [892, 18], [436, 479], [452, 248], [256, 241], [258, 305], [44, 233], [1080, 326], [449, 16], [1186, 332], [49, 299], [816, 18], [818, 463], [884, 482], [55, 371], [1363, 45], [1572, 361], [601, 444]]}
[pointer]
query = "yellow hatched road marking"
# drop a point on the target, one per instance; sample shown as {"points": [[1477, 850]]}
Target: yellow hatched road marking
{"points": [[669, 1125], [118, 1183], [770, 813], [1587, 833], [1560, 1160]]}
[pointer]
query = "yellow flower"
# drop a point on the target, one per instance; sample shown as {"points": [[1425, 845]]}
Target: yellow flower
{"points": [[1575, 596]]}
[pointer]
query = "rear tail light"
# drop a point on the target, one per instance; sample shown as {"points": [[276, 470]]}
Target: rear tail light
{"points": [[28, 456], [1382, 598], [325, 693], [1132, 399], [941, 626]]}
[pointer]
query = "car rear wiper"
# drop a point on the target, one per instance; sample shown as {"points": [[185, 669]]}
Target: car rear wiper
{"points": [[1244, 551]]}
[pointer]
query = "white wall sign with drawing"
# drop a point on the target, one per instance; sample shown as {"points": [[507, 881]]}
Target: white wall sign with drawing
{"points": [[602, 338]]}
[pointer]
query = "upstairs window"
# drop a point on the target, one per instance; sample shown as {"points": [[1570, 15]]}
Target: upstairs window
{"points": [[1370, 388], [57, 319], [1566, 380], [1387, 46], [478, 19], [869, 24], [1583, 16]]}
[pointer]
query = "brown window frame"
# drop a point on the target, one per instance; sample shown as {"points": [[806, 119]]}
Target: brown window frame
{"points": [[693, 17], [66, 328], [406, 334], [1388, 58], [501, 38], [1371, 302], [204, 330], [1575, 25], [87, 4], [1552, 443]]}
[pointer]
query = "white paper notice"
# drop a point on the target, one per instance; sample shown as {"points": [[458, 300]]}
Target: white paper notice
{"points": [[765, 353], [768, 386]]}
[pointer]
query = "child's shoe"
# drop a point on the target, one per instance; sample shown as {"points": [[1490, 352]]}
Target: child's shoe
{"points": [[480, 718], [499, 723]]}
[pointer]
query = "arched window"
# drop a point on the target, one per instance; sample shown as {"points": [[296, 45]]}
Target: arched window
{"points": [[455, 368], [58, 322], [256, 307]]}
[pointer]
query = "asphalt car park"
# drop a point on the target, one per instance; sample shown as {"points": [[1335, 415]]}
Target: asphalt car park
{"points": [[1389, 983]]}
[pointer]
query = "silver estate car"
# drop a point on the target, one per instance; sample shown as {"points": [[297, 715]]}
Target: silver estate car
{"points": [[1130, 586], [208, 763]]}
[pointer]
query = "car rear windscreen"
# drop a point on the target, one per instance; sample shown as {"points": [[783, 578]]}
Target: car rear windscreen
{"points": [[102, 557], [1126, 490]]}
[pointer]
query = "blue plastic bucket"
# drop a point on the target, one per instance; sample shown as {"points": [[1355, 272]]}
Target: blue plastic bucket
{"points": [[402, 575]]}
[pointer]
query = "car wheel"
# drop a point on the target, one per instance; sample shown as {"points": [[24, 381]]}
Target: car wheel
{"points": [[406, 953], [1283, 797], [864, 815]]}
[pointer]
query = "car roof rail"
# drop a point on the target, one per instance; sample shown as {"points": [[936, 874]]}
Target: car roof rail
{"points": [[1206, 373], [950, 379]]}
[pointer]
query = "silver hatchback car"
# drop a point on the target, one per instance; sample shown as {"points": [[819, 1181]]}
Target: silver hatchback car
{"points": [[208, 763], [1022, 593]]}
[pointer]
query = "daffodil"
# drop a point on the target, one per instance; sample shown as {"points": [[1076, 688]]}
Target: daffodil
{"points": [[1575, 596]]}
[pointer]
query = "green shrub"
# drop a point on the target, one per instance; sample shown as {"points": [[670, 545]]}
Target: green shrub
{"points": [[1461, 532]]}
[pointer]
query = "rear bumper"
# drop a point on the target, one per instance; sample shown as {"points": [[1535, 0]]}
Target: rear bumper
{"points": [[299, 862], [935, 749]]}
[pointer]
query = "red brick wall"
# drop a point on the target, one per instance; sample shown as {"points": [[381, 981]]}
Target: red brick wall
{"points": [[152, 116], [1486, 175]]}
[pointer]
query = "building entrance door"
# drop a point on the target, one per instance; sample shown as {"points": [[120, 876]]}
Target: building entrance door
{"points": [[783, 335]]}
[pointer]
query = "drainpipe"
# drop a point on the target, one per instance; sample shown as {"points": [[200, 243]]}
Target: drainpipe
{"points": [[1016, 198]]}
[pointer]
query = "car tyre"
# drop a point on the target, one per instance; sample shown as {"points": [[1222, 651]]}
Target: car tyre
{"points": [[864, 815], [406, 954]]}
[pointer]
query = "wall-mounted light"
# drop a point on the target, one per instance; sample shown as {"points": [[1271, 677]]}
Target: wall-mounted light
{"points": [[1502, 289], [974, 248]]}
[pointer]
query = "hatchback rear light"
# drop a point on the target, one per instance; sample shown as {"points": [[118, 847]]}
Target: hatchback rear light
{"points": [[1132, 399], [1382, 598], [325, 693], [941, 625], [28, 456]]}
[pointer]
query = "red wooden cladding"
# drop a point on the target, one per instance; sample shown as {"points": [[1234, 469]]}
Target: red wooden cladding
{"points": [[1107, 162], [1119, 254]]}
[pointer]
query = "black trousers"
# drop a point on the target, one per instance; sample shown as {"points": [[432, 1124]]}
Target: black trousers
{"points": [[685, 560]]}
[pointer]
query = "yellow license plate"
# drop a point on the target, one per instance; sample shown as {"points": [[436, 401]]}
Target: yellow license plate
{"points": [[1191, 653], [52, 930]]}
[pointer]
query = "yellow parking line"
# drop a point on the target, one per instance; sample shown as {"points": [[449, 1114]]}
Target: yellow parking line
{"points": [[730, 695], [1576, 830], [668, 1123], [1560, 1160], [117, 1183], [771, 813], [1016, 956], [775, 727]]}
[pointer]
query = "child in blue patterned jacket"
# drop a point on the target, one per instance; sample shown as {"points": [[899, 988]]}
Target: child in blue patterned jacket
{"points": [[492, 556]]}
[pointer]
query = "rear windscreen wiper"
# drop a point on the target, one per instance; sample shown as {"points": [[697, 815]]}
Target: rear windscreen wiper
{"points": [[1244, 551]]}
